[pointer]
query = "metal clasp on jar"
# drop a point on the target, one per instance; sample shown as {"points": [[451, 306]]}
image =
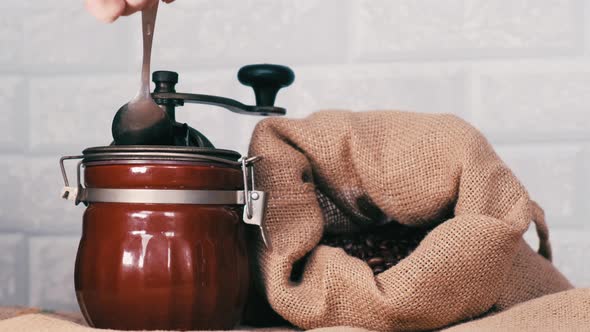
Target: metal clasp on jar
{"points": [[255, 207]]}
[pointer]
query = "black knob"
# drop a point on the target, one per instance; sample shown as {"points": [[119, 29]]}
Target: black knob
{"points": [[164, 80], [266, 80]]}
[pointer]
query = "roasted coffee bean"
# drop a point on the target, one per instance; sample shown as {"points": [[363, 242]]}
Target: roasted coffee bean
{"points": [[378, 269], [375, 261], [381, 246]]}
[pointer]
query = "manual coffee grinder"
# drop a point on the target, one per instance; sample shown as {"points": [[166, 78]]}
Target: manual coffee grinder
{"points": [[163, 243]]}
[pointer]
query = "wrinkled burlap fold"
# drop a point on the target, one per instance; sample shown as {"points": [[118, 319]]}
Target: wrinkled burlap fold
{"points": [[340, 171], [563, 311]]}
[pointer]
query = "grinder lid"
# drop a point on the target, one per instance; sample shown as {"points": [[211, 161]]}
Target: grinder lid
{"points": [[160, 152]]}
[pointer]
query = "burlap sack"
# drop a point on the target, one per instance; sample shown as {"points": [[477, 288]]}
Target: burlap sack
{"points": [[331, 171]]}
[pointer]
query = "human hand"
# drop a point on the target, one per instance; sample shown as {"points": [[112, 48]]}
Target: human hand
{"points": [[109, 10]]}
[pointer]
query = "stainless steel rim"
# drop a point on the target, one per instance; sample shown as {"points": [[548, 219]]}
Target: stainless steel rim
{"points": [[161, 196]]}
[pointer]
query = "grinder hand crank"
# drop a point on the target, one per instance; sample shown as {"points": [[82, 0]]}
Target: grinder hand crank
{"points": [[265, 79]]}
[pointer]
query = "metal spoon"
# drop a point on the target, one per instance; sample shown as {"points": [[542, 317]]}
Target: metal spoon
{"points": [[141, 121]]}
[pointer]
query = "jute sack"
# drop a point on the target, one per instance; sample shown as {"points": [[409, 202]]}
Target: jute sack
{"points": [[329, 173]]}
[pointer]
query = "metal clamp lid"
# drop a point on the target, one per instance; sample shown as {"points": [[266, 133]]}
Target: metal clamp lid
{"points": [[254, 201]]}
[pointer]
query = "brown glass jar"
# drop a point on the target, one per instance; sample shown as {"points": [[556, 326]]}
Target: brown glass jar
{"points": [[163, 243]]}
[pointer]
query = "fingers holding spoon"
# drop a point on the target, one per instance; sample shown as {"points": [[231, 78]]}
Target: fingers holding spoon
{"points": [[110, 10]]}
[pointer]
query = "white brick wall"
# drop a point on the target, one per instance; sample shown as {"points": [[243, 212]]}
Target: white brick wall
{"points": [[59, 122], [550, 173], [533, 100], [51, 266], [459, 29], [13, 274], [519, 70]]}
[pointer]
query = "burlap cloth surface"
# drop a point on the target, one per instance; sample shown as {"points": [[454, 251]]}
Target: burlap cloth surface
{"points": [[563, 311], [16, 319]]}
